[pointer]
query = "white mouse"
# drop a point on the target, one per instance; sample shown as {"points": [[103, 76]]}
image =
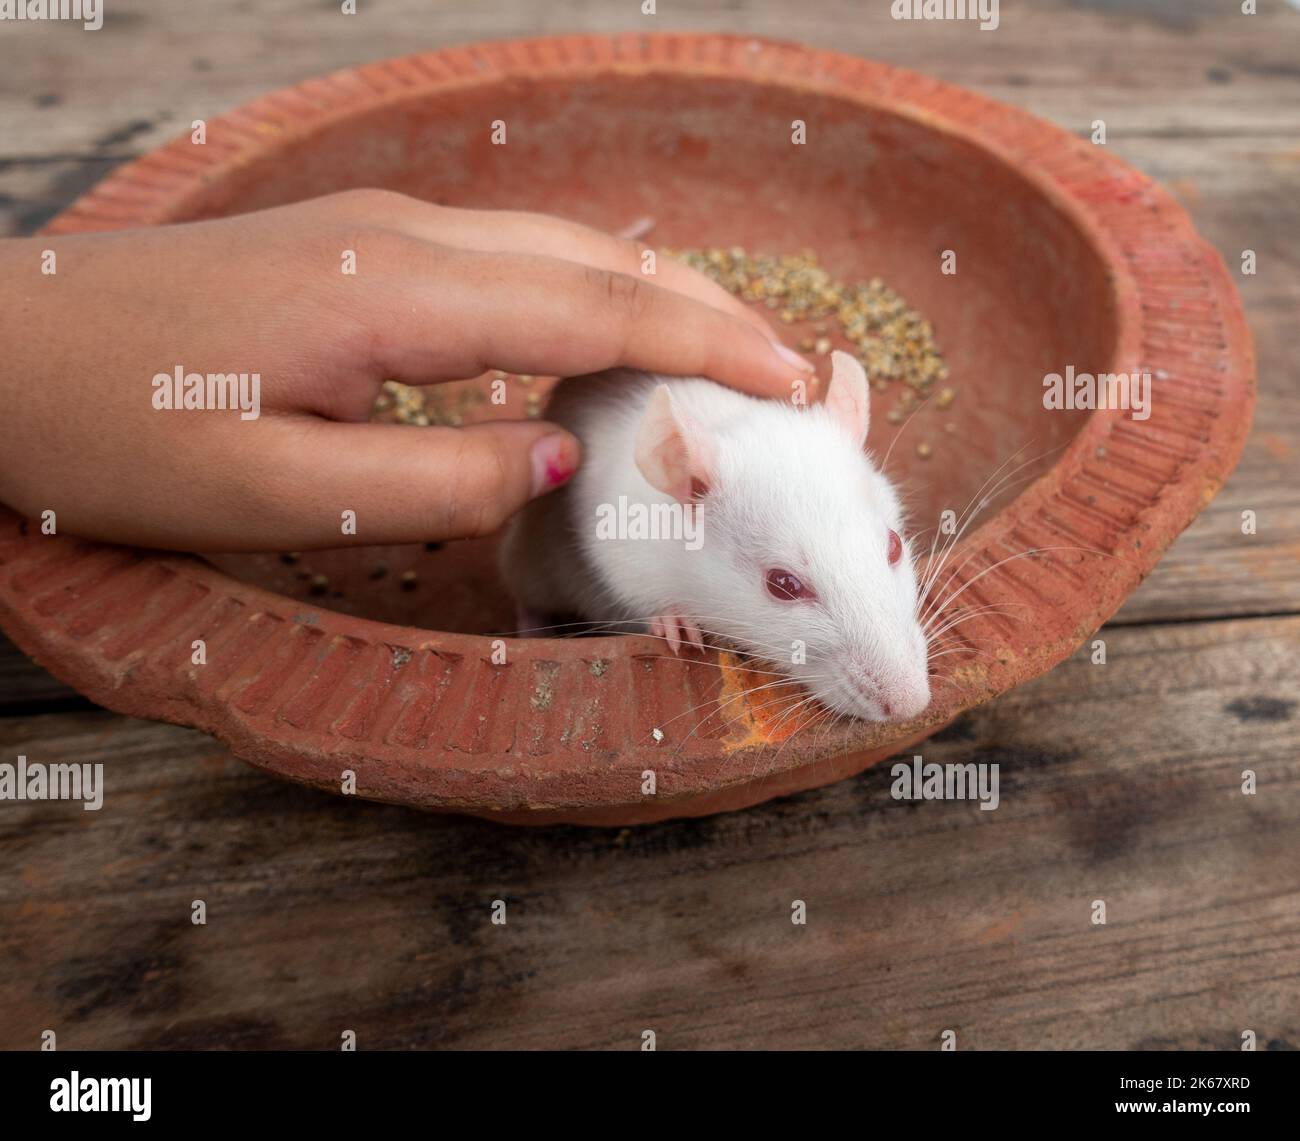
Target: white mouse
{"points": [[770, 528]]}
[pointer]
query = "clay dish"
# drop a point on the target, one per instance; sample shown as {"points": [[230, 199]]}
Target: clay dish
{"points": [[1065, 256]]}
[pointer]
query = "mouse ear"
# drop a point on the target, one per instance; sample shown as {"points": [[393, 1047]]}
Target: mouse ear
{"points": [[673, 452], [848, 396]]}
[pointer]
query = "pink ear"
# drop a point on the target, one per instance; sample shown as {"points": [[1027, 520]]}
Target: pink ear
{"points": [[848, 396], [672, 451]]}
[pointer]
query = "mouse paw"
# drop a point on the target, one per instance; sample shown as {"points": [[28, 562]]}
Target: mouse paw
{"points": [[675, 630]]}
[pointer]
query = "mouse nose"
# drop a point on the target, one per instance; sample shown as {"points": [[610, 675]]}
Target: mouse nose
{"points": [[900, 694], [905, 695]]}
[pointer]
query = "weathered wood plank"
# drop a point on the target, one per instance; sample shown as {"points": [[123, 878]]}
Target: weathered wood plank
{"points": [[25, 687], [1244, 194], [1178, 67], [1215, 568], [1119, 782]]}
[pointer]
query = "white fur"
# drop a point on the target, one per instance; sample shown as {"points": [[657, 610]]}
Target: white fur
{"points": [[789, 488]]}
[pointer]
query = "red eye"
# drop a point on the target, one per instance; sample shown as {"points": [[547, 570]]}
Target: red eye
{"points": [[787, 587], [895, 548]]}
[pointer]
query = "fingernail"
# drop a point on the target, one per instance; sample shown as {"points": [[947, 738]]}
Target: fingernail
{"points": [[554, 462], [792, 358]]}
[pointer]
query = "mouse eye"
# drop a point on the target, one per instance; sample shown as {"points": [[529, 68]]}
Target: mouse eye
{"points": [[895, 548], [787, 587]]}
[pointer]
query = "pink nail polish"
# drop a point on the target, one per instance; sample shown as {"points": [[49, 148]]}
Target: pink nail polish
{"points": [[553, 463]]}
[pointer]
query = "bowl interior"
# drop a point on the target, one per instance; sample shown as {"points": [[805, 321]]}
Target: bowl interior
{"points": [[712, 162]]}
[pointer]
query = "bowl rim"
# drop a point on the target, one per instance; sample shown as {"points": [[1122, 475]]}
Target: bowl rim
{"points": [[82, 606]]}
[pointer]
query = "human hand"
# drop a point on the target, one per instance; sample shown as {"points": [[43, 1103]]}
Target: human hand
{"points": [[438, 294]]}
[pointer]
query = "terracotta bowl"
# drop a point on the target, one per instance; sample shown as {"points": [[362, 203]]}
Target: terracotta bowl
{"points": [[1065, 256]]}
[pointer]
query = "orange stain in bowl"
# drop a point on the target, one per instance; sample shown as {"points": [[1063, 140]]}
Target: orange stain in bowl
{"points": [[755, 715]]}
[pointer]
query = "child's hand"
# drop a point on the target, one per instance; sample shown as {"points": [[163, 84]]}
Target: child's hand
{"points": [[438, 294]]}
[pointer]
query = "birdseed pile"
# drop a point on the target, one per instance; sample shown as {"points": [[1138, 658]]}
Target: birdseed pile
{"points": [[893, 341]]}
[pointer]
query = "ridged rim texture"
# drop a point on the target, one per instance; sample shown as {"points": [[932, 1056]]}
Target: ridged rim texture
{"points": [[563, 732]]}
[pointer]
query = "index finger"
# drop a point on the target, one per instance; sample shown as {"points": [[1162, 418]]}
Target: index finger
{"points": [[523, 313], [519, 231]]}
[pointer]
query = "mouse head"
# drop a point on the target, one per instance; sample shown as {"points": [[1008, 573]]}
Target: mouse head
{"points": [[805, 560]]}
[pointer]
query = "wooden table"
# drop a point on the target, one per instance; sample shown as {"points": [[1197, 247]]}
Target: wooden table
{"points": [[1120, 782]]}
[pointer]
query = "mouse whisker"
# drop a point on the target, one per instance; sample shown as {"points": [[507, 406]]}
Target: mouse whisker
{"points": [[982, 500], [933, 644], [736, 697], [781, 721], [722, 704], [977, 498], [962, 618], [1022, 555], [827, 720], [950, 650], [961, 614], [715, 665], [936, 598], [788, 713], [945, 639], [901, 429], [968, 651], [595, 626], [942, 565], [796, 685], [590, 626]]}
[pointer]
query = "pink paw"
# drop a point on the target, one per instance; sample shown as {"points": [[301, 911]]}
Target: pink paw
{"points": [[675, 630]]}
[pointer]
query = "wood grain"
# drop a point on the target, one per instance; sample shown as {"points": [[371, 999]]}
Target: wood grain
{"points": [[1119, 782], [326, 914]]}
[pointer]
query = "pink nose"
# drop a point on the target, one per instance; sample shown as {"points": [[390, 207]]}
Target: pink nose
{"points": [[898, 697], [905, 697]]}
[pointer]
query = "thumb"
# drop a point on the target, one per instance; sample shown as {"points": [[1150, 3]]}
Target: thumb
{"points": [[409, 484]]}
